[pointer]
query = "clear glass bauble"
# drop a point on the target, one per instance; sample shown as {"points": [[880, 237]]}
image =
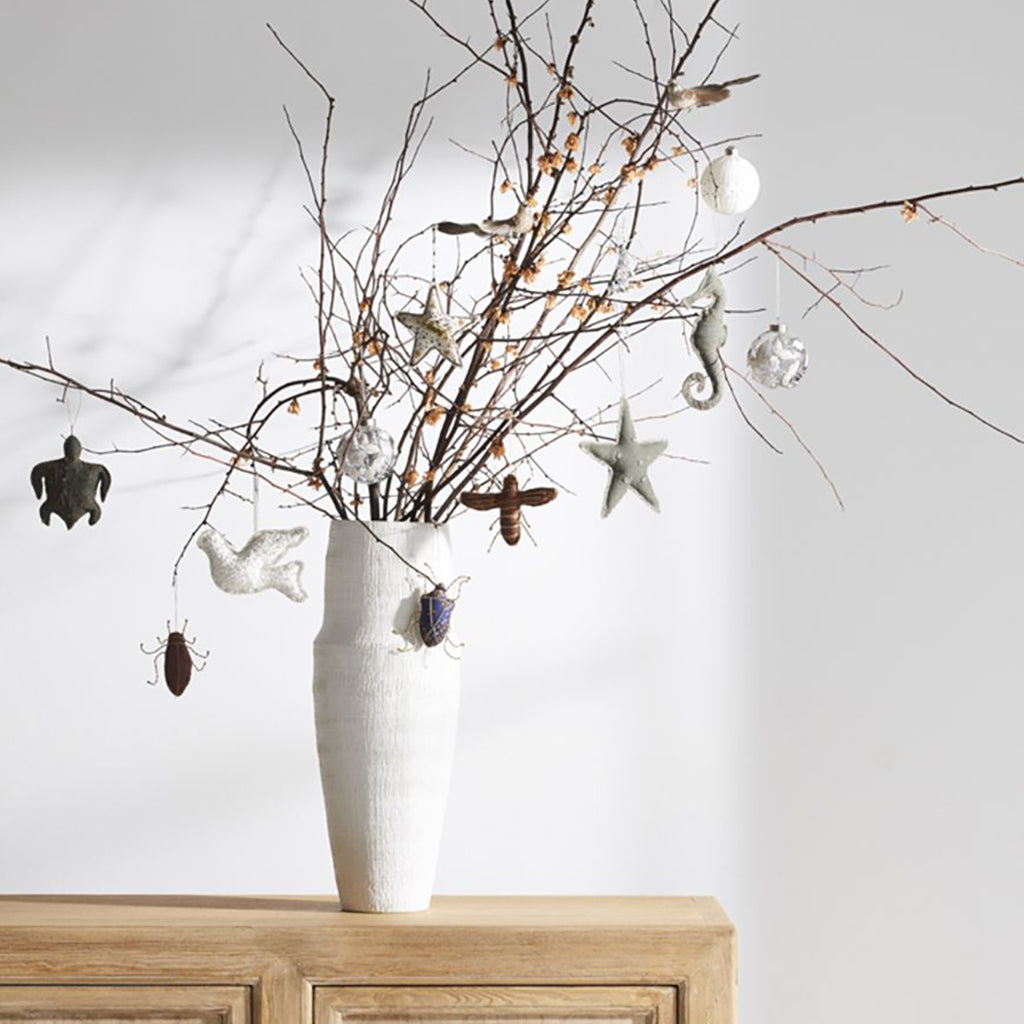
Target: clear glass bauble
{"points": [[777, 359], [367, 454]]}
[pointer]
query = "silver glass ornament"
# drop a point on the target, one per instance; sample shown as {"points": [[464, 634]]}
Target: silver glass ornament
{"points": [[367, 454], [777, 359]]}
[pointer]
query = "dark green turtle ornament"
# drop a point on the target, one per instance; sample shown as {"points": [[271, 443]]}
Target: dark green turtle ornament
{"points": [[71, 486]]}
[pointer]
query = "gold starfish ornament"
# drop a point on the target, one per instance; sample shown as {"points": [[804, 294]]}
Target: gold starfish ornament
{"points": [[433, 329]]}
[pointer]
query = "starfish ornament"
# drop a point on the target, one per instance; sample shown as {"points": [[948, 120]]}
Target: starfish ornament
{"points": [[432, 328], [256, 566], [628, 460]]}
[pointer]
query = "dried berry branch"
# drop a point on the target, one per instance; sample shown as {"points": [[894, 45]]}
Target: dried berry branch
{"points": [[575, 172]]}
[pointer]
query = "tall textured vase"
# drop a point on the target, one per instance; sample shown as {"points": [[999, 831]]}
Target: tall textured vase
{"points": [[386, 715]]}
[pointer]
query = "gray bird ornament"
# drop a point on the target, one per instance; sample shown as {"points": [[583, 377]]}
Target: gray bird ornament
{"points": [[509, 227], [689, 98], [71, 486]]}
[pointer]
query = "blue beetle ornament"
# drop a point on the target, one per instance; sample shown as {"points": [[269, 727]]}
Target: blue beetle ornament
{"points": [[436, 609]]}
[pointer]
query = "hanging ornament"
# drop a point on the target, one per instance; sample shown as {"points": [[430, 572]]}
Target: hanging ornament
{"points": [[625, 270], [627, 459], [509, 500], [776, 359], [683, 98], [432, 329], [178, 664], [509, 227], [367, 454], [708, 337], [256, 566], [730, 183], [71, 486]]}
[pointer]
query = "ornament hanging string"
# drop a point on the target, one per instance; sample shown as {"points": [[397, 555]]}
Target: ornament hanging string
{"points": [[174, 598], [255, 501], [778, 294], [72, 416]]}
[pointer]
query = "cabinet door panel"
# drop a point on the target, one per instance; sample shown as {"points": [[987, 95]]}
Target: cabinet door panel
{"points": [[474, 1004], [124, 1004]]}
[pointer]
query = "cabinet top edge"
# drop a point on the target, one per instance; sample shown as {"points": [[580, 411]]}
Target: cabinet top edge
{"points": [[673, 913]]}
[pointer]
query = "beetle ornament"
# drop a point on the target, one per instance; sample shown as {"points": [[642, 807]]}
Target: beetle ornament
{"points": [[178, 664], [435, 616], [431, 619]]}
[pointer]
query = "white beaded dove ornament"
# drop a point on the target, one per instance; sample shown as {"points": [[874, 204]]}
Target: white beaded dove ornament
{"points": [[432, 328], [256, 566]]}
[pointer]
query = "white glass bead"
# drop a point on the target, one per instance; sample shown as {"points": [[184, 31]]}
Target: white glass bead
{"points": [[367, 454], [776, 359], [730, 184]]}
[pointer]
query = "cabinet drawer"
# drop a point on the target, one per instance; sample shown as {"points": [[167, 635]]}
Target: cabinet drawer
{"points": [[124, 1004], [473, 1004]]}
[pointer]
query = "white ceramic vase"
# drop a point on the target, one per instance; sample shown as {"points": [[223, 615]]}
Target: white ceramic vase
{"points": [[386, 714]]}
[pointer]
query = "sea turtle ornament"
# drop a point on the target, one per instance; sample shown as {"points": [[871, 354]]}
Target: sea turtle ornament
{"points": [[71, 486]]}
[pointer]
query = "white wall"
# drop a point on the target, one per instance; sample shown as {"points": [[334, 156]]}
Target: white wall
{"points": [[811, 714]]}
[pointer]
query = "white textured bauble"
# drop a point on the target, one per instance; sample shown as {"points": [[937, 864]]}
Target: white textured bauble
{"points": [[730, 184], [367, 454], [776, 359]]}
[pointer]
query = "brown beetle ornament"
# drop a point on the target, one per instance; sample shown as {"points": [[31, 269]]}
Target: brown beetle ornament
{"points": [[178, 653]]}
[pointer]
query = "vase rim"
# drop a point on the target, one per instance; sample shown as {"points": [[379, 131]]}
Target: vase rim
{"points": [[384, 527]]}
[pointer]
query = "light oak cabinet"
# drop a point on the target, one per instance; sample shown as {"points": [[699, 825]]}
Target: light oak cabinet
{"points": [[469, 960], [478, 1004], [126, 1004]]}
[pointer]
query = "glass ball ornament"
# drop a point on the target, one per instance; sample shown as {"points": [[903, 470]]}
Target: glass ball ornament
{"points": [[730, 183], [777, 359], [367, 454]]}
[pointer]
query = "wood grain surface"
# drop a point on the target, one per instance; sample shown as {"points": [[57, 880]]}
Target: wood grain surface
{"points": [[295, 953]]}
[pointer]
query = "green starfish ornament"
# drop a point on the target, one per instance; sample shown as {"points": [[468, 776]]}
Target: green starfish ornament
{"points": [[628, 460], [432, 328]]}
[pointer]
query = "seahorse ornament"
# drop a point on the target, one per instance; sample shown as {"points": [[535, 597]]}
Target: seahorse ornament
{"points": [[708, 337]]}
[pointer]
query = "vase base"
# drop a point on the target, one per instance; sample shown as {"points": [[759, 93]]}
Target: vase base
{"points": [[373, 907]]}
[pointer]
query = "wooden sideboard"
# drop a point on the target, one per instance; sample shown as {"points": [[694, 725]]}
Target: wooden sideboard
{"points": [[297, 960]]}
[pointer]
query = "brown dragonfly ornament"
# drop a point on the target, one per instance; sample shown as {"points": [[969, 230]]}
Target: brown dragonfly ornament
{"points": [[509, 501]]}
